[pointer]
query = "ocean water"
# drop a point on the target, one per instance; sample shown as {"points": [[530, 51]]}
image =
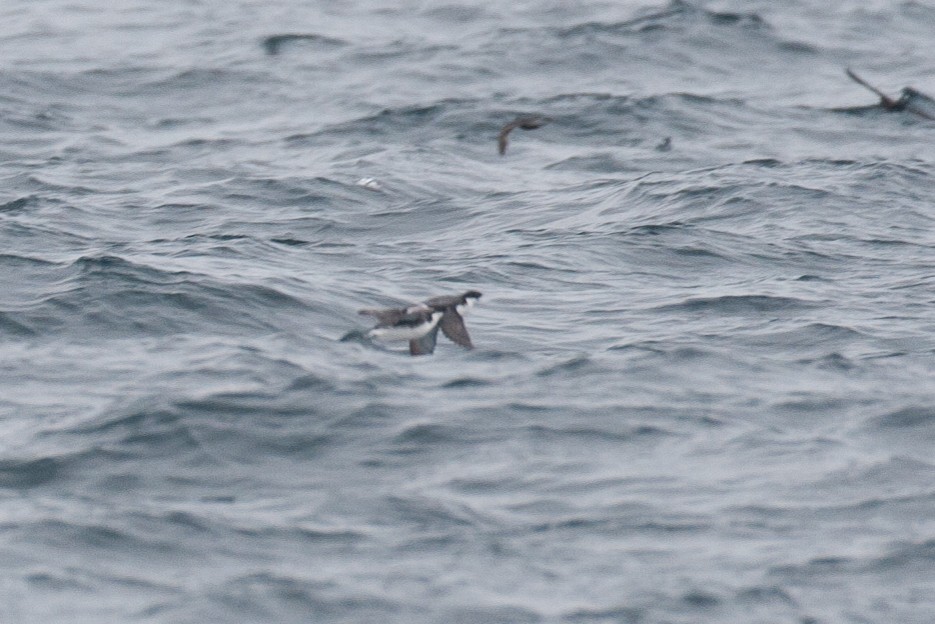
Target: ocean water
{"points": [[703, 388]]}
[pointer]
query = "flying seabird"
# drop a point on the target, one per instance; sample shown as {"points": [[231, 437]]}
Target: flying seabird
{"points": [[453, 309], [410, 323], [523, 123], [910, 99]]}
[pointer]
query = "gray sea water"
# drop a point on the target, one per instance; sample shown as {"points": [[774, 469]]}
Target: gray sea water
{"points": [[703, 388]]}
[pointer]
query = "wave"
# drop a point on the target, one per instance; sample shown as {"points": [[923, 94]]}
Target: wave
{"points": [[739, 304], [124, 298], [919, 418], [274, 44], [21, 203], [679, 12], [909, 557], [28, 473]]}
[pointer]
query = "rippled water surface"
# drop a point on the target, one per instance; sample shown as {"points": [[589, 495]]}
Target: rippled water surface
{"points": [[703, 382]]}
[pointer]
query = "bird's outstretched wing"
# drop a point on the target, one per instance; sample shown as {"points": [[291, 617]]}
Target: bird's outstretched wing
{"points": [[452, 325], [504, 136], [392, 316], [525, 123], [387, 316]]}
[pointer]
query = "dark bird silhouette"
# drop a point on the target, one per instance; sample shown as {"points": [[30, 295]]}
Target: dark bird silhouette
{"points": [[910, 100], [523, 123], [885, 100]]}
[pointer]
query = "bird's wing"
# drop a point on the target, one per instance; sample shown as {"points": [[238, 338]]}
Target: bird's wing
{"points": [[453, 327], [387, 316], [503, 139]]}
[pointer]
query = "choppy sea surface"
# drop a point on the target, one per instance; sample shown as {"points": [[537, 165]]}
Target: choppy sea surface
{"points": [[703, 388]]}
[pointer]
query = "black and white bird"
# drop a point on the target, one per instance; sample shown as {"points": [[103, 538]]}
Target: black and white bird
{"points": [[411, 323], [453, 309], [419, 323]]}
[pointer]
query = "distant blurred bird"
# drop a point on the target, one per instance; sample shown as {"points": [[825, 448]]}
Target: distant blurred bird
{"points": [[910, 100], [530, 122]]}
